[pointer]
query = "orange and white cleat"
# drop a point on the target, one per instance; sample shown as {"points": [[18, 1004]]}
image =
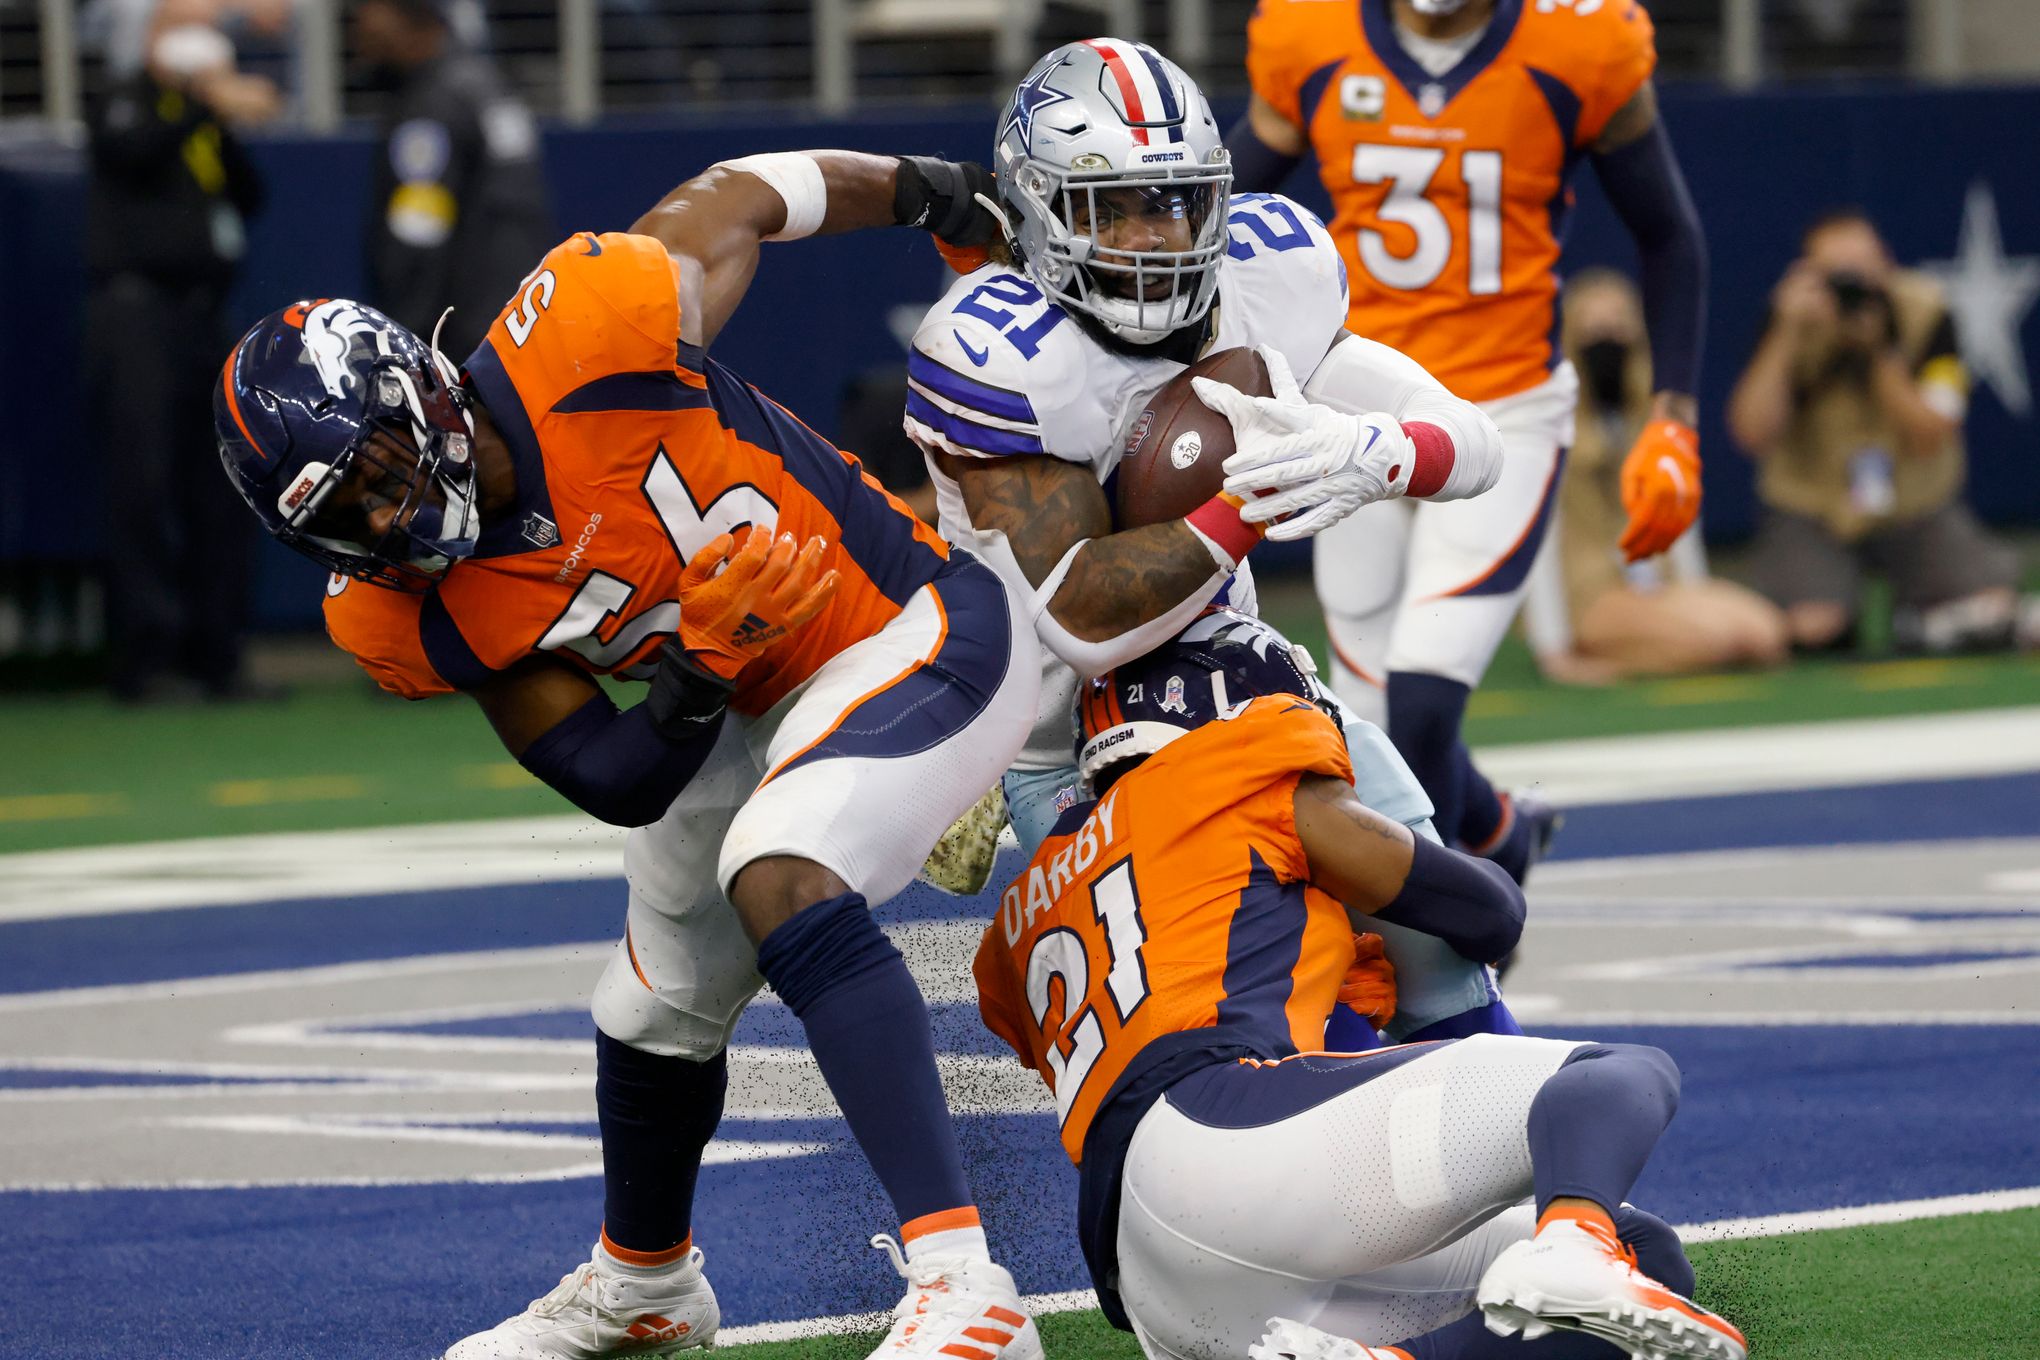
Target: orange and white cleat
{"points": [[597, 1312], [956, 1306], [1287, 1340], [1579, 1277]]}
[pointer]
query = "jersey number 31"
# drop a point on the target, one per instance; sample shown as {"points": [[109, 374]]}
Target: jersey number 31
{"points": [[1408, 172]]}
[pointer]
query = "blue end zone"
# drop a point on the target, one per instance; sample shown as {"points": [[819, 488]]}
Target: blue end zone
{"points": [[1865, 814], [1772, 1121]]}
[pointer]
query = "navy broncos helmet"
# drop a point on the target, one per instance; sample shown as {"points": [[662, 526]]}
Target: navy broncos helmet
{"points": [[1204, 674], [328, 394]]}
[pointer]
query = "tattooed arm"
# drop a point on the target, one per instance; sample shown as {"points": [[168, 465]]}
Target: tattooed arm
{"points": [[1119, 594]]}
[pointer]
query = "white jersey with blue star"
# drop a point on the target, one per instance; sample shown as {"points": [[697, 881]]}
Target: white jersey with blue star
{"points": [[998, 370]]}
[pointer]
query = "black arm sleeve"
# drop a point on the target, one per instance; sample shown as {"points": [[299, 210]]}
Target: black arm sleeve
{"points": [[1470, 903], [617, 766], [1257, 167], [1649, 194]]}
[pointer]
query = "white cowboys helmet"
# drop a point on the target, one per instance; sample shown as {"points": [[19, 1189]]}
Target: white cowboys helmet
{"points": [[1109, 115]]}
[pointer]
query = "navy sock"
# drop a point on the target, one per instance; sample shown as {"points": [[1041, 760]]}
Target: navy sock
{"points": [[1594, 1123], [657, 1114], [1658, 1255], [1493, 1018], [1480, 807], [1512, 853], [868, 1029], [1424, 712]]}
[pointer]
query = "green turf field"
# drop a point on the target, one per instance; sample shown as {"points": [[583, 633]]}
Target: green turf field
{"points": [[1936, 1289]]}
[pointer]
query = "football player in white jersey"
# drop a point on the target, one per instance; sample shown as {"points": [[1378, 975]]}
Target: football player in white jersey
{"points": [[1125, 260]]}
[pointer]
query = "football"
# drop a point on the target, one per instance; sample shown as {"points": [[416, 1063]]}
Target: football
{"points": [[1176, 447]]}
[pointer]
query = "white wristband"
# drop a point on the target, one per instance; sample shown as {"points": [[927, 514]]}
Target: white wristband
{"points": [[797, 179]]}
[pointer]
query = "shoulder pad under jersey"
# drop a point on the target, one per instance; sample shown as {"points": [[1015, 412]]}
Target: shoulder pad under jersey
{"points": [[997, 369], [1282, 283]]}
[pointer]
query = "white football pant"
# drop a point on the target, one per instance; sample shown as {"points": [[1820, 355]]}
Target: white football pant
{"points": [[861, 770], [1372, 1215], [1432, 587]]}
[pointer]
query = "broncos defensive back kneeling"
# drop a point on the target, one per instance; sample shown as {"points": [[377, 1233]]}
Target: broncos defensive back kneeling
{"points": [[1167, 964]]}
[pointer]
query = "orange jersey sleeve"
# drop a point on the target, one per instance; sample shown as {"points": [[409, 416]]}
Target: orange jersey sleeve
{"points": [[378, 627], [1291, 42], [1176, 903], [597, 305], [1622, 46]]}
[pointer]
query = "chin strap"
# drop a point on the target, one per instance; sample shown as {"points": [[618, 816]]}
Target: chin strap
{"points": [[448, 372]]}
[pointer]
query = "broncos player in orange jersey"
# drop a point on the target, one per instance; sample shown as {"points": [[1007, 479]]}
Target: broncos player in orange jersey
{"points": [[1445, 132], [830, 685], [1167, 963]]}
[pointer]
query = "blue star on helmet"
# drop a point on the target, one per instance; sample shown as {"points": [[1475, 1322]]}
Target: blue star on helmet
{"points": [[1034, 95]]}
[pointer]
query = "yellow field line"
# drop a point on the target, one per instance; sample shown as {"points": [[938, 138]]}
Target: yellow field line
{"points": [[502, 774], [310, 788], [50, 807], [1704, 689], [1497, 703], [1923, 673]]}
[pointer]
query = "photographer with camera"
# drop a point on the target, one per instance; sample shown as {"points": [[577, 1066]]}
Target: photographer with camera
{"points": [[1853, 407]]}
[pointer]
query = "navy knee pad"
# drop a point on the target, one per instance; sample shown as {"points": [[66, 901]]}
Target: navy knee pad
{"points": [[1596, 1119]]}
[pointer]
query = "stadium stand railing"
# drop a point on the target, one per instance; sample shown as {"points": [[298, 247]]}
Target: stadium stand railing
{"points": [[580, 60]]}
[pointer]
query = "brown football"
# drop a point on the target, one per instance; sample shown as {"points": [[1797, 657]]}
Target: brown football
{"points": [[1175, 453]]}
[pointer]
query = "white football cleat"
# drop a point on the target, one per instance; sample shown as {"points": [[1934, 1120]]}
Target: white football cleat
{"points": [[957, 1306], [597, 1312], [1582, 1279], [1287, 1340]]}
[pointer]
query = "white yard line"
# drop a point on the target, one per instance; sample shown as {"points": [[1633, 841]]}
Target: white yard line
{"points": [[1789, 756], [1862, 1215], [356, 862], [1775, 1225]]}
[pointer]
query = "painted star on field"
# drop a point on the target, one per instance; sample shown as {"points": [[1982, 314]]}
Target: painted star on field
{"points": [[1989, 295]]}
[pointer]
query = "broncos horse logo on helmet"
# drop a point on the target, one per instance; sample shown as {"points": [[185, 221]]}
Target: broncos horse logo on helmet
{"points": [[351, 440], [1205, 674], [1096, 119]]}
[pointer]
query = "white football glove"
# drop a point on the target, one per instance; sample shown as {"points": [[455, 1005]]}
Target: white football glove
{"points": [[1308, 463]]}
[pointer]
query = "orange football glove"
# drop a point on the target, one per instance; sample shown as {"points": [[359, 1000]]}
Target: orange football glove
{"points": [[759, 595], [1369, 987], [963, 259], [1660, 488]]}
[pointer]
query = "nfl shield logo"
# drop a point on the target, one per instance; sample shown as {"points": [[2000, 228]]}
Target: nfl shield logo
{"points": [[1431, 100], [539, 531], [1065, 798], [1172, 697]]}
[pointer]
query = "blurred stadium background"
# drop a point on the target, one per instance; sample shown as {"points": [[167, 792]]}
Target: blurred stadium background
{"points": [[1887, 1056]]}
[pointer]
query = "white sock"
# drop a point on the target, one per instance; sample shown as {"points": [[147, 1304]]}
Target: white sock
{"points": [[636, 1272], [968, 1242]]}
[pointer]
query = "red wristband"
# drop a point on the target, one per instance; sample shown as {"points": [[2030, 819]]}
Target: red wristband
{"points": [[1433, 463], [1218, 521]]}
